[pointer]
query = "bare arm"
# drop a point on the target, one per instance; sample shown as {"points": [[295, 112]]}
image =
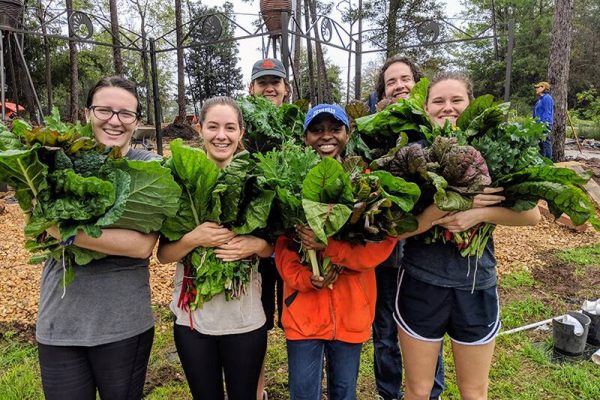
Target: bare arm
{"points": [[207, 234], [115, 242], [464, 220]]}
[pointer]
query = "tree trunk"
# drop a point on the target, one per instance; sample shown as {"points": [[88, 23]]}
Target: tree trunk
{"points": [[42, 18], [180, 73], [114, 27], [312, 87], [73, 70], [325, 93], [297, 48], [558, 72], [392, 42]]}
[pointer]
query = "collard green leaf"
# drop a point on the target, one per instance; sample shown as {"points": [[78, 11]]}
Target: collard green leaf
{"points": [[21, 128], [325, 219], [419, 92], [153, 195]]}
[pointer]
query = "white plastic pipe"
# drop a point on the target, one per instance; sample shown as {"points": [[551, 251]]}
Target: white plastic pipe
{"points": [[530, 326]]}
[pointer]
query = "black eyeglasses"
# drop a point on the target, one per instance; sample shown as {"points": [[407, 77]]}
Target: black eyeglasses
{"points": [[106, 113]]}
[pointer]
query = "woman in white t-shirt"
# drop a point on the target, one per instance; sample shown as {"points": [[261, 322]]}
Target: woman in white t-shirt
{"points": [[225, 337]]}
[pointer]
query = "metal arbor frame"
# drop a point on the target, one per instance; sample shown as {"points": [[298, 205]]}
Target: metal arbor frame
{"points": [[326, 31]]}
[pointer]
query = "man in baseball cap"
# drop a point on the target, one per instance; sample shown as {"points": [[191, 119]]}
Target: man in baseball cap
{"points": [[270, 81], [543, 111]]}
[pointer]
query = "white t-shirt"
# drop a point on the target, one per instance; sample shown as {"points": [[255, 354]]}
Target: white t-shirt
{"points": [[219, 316]]}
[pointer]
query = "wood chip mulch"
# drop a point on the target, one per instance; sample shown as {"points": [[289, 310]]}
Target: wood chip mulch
{"points": [[516, 247]]}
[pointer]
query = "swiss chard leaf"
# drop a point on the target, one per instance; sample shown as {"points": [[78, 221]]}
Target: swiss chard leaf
{"points": [[325, 219], [22, 170], [402, 193], [256, 213], [327, 182]]}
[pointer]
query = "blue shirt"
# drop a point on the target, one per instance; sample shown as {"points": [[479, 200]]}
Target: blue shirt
{"points": [[544, 110]]}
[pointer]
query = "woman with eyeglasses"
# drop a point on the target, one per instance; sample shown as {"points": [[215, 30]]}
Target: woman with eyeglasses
{"points": [[97, 335]]}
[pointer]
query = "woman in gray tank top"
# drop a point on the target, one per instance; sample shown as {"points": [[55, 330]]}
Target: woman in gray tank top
{"points": [[98, 335]]}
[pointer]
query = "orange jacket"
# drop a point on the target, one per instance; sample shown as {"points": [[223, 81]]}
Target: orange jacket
{"points": [[344, 312]]}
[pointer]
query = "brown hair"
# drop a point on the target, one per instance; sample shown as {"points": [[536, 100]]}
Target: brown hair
{"points": [[452, 75], [221, 101], [380, 85], [115, 81]]}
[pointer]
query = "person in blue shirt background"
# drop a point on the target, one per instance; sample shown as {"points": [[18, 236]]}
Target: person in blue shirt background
{"points": [[543, 111]]}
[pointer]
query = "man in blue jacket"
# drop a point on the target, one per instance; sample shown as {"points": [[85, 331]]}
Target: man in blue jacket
{"points": [[543, 111]]}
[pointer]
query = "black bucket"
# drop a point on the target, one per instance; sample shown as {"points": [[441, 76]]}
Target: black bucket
{"points": [[594, 332], [565, 340]]}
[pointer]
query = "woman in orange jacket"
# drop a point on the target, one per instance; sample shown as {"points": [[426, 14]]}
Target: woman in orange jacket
{"points": [[330, 316]]}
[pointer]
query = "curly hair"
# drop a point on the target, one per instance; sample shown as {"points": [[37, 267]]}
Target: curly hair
{"points": [[380, 85]]}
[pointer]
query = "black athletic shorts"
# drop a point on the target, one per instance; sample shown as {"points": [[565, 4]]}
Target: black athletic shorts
{"points": [[427, 312]]}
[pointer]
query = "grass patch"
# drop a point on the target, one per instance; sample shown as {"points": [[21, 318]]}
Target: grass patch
{"points": [[581, 256], [586, 129], [519, 278], [19, 371], [520, 312]]}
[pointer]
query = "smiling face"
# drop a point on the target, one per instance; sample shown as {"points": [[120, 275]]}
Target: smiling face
{"points": [[327, 136], [271, 87], [398, 80], [446, 100], [221, 133], [113, 132]]}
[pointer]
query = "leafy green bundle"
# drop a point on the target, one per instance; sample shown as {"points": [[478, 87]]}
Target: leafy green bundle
{"points": [[267, 126], [336, 200], [231, 197], [62, 177], [399, 123], [511, 152]]}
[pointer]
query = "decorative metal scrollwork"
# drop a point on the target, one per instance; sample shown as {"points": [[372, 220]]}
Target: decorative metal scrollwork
{"points": [[81, 25], [211, 29], [326, 29], [428, 31]]}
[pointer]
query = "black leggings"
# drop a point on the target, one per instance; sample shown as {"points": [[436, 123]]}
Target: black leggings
{"points": [[205, 358], [117, 370]]}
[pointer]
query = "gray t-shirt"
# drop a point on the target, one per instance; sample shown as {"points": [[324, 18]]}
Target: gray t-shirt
{"points": [[108, 301], [441, 264]]}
